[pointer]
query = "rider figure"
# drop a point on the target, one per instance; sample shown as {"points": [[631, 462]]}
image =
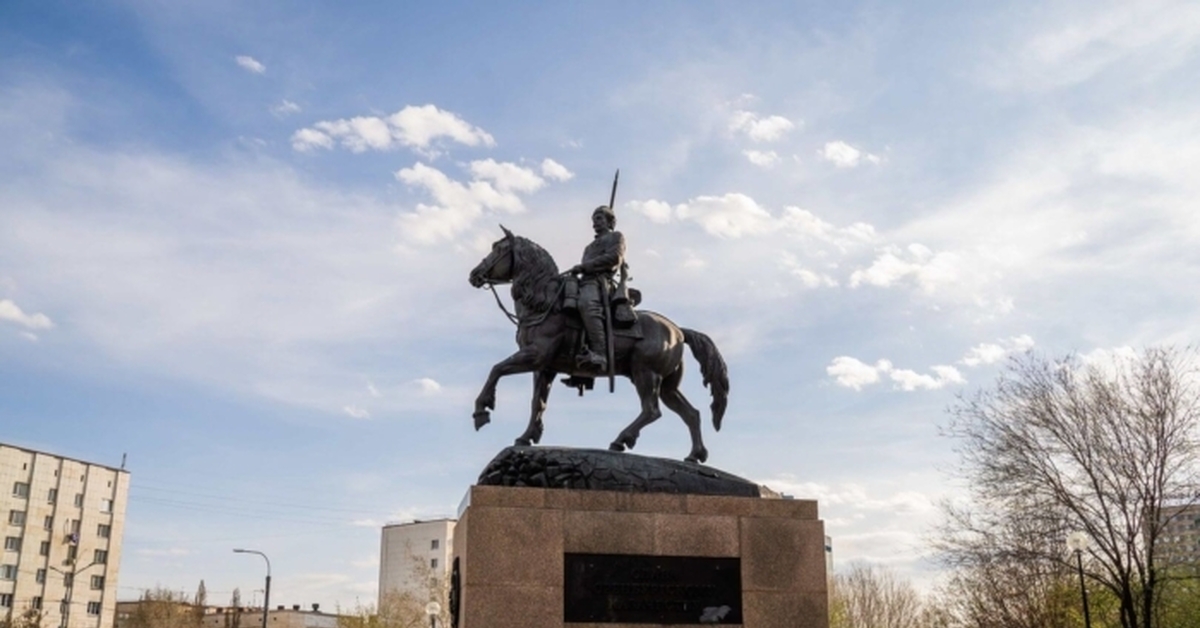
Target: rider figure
{"points": [[601, 259]]}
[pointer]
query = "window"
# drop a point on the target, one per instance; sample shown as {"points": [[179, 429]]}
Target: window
{"points": [[16, 517], [6, 600], [12, 543], [48, 523], [63, 607], [20, 489], [36, 603], [74, 525], [72, 553], [104, 530], [40, 578], [100, 556], [44, 550], [79, 500], [433, 544], [106, 505], [97, 583], [52, 495], [8, 572], [68, 580], [433, 563], [93, 608]]}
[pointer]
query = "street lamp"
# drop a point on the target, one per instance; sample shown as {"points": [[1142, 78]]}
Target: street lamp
{"points": [[1078, 542], [433, 609], [69, 578], [267, 590]]}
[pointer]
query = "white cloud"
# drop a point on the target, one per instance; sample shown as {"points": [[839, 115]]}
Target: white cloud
{"points": [[9, 311], [657, 211], [553, 170], [427, 386], [285, 108], [729, 216], [507, 177], [1070, 46], [250, 64], [356, 412], [373, 391], [803, 223], [416, 127], [853, 373], [765, 159], [911, 380], [458, 205], [917, 263], [990, 353], [844, 155], [808, 278], [769, 129]]}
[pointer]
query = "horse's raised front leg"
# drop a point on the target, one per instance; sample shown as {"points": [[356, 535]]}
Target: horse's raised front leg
{"points": [[543, 381], [522, 361]]}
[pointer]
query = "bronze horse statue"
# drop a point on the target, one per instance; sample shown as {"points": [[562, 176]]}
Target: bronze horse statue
{"points": [[547, 337]]}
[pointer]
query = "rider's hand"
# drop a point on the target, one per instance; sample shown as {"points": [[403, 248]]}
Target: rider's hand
{"points": [[576, 270]]}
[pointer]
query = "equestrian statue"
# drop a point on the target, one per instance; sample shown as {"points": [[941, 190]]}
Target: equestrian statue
{"points": [[581, 323]]}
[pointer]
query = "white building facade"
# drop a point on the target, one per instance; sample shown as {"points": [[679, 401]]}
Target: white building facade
{"points": [[63, 521], [411, 553]]}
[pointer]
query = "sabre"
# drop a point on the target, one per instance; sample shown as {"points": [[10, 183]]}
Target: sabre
{"points": [[608, 326]]}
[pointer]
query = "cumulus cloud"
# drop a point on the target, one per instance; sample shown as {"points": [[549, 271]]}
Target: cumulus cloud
{"points": [[803, 223], [853, 373], [356, 412], [657, 211], [416, 127], [765, 159], [427, 385], [808, 278], [729, 216], [844, 155], [10, 312], [768, 129], [990, 353], [457, 205], [250, 64], [917, 263], [373, 391], [553, 170]]}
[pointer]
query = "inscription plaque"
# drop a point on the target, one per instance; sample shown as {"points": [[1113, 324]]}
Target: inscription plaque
{"points": [[636, 589]]}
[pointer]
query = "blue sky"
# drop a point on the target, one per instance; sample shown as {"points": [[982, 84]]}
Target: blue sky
{"points": [[234, 242]]}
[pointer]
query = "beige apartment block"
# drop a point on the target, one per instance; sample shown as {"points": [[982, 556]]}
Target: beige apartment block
{"points": [[412, 552], [63, 520]]}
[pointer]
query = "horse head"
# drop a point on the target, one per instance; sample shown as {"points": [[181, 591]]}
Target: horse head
{"points": [[499, 265]]}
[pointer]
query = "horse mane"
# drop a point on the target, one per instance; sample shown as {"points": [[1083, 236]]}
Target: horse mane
{"points": [[535, 287]]}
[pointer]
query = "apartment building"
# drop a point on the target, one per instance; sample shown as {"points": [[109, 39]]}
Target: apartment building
{"points": [[1179, 543], [63, 521], [411, 553]]}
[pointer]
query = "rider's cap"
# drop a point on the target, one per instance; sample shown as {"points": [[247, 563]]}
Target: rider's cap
{"points": [[607, 211]]}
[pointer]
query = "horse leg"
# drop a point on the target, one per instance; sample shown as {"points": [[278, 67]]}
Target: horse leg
{"points": [[520, 362], [543, 381], [677, 403], [647, 382]]}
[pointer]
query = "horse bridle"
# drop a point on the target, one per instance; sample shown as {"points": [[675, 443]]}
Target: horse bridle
{"points": [[512, 265]]}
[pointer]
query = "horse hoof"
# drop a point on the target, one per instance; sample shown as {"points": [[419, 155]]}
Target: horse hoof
{"points": [[522, 442], [616, 446], [698, 458], [482, 418]]}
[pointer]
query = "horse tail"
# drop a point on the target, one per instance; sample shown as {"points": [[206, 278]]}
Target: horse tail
{"points": [[712, 369]]}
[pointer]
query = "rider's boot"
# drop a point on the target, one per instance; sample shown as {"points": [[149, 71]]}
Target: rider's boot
{"points": [[593, 358]]}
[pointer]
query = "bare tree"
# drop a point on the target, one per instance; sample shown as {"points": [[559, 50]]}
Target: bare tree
{"points": [[163, 608], [872, 597], [1062, 445], [29, 618], [404, 608]]}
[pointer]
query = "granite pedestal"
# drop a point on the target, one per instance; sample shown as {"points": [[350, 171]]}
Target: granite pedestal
{"points": [[513, 545]]}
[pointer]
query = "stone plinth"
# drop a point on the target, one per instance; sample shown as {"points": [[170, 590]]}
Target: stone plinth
{"points": [[510, 544]]}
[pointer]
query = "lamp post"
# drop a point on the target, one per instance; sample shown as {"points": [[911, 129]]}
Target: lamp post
{"points": [[1078, 542], [69, 577], [433, 609], [267, 590]]}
